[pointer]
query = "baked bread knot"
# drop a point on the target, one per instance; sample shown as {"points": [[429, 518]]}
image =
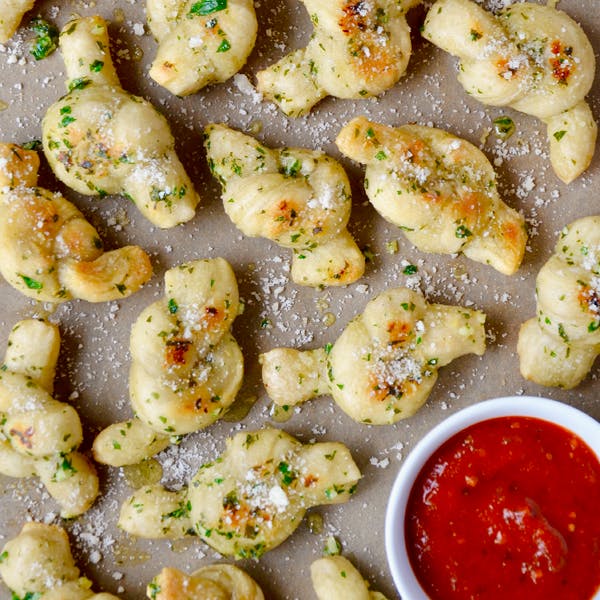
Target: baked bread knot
{"points": [[251, 498], [38, 564], [48, 250], [531, 57], [384, 365], [559, 347], [300, 199], [439, 189], [39, 436], [101, 140], [200, 41], [336, 578], [12, 13], [214, 582], [358, 49], [186, 367]]}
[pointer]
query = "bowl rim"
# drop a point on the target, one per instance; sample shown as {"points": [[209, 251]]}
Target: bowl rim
{"points": [[553, 411]]}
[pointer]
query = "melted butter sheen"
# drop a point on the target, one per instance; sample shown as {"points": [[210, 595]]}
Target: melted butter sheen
{"points": [[145, 473], [507, 508], [239, 409], [280, 414]]}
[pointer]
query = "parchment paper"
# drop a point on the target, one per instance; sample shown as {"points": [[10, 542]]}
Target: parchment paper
{"points": [[94, 361]]}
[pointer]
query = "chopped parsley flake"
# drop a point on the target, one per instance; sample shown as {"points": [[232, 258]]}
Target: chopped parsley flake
{"points": [[65, 470], [32, 284], [462, 232], [504, 127], [559, 135], [154, 590], [67, 120], [173, 307], [563, 333], [332, 547], [293, 169], [224, 46], [35, 145], [46, 41], [79, 83], [207, 7]]}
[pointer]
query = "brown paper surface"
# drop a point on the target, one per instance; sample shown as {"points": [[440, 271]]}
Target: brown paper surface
{"points": [[94, 360]]}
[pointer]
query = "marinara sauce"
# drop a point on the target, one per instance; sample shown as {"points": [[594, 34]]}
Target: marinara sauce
{"points": [[507, 509]]}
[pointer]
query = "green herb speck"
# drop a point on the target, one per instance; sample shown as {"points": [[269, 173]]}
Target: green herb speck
{"points": [[559, 135], [207, 7]]}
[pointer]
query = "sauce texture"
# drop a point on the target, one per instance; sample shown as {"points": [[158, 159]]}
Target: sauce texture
{"points": [[508, 508]]}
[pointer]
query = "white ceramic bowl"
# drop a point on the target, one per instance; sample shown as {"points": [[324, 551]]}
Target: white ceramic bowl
{"points": [[587, 428]]}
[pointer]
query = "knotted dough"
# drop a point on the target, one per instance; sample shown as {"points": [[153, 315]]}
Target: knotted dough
{"points": [[300, 199], [200, 41], [38, 564], [39, 436], [99, 139], [560, 345], [186, 367], [251, 498], [12, 13], [384, 365], [441, 190], [359, 49], [48, 251], [336, 578], [530, 57], [213, 582]]}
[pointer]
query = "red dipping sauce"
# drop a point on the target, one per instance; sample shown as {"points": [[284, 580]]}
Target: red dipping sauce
{"points": [[507, 509]]}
